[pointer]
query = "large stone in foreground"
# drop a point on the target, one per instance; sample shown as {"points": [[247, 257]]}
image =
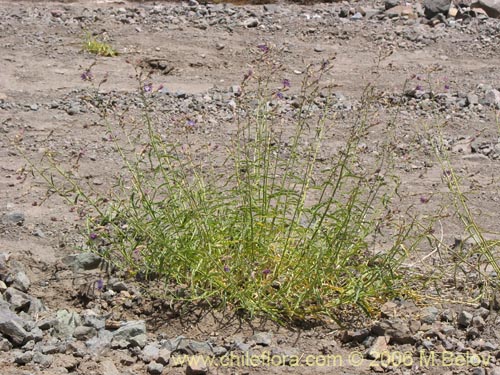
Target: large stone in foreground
{"points": [[434, 7]]}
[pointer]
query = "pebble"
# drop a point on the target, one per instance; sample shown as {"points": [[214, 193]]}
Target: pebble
{"points": [[197, 366], [14, 218], [155, 368], [251, 22]]}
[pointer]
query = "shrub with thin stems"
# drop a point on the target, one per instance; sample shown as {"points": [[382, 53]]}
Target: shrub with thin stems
{"points": [[283, 230]]}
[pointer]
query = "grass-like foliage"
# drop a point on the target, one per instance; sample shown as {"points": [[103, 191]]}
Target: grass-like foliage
{"points": [[97, 47], [271, 223]]}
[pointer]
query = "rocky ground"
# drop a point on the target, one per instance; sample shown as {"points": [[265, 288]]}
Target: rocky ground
{"points": [[432, 64]]}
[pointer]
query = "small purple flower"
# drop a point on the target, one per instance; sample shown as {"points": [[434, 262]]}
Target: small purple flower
{"points": [[87, 75], [148, 87], [424, 200], [267, 271], [191, 123], [419, 88], [286, 83], [100, 284], [446, 87], [279, 95], [226, 268], [264, 48], [93, 236]]}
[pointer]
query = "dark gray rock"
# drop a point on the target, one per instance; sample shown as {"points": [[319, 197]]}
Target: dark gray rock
{"points": [[491, 7], [464, 319], [21, 301], [434, 7], [13, 330], [155, 368], [355, 336], [388, 4]]}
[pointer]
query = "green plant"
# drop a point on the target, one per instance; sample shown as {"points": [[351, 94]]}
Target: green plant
{"points": [[276, 227], [97, 47]]}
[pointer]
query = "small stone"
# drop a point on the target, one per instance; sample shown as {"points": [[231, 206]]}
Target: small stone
{"points": [[492, 98], [472, 99], [379, 346], [483, 312], [150, 353], [14, 218], [478, 322], [139, 340], [478, 371], [91, 319], [490, 7], [355, 336], [5, 345], [464, 319], [219, 46], [56, 13], [494, 371], [24, 358], [21, 281], [109, 368], [200, 347], [164, 356], [319, 49], [434, 7], [83, 261], [47, 323], [196, 366], [155, 368], [429, 315], [251, 22], [83, 333], [73, 110], [262, 338], [44, 360], [14, 331], [118, 286], [388, 4], [357, 16], [401, 10], [67, 321]]}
